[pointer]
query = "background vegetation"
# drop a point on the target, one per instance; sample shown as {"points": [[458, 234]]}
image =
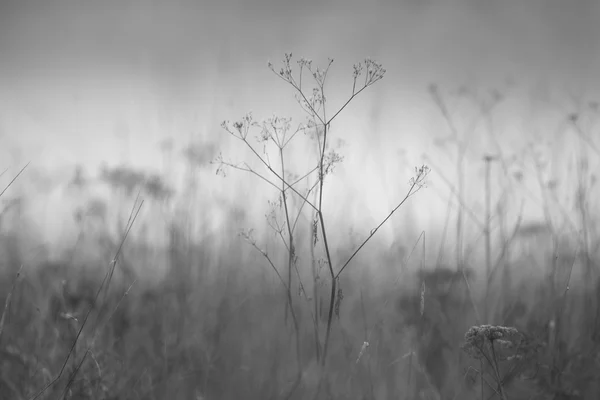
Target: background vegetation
{"points": [[498, 307]]}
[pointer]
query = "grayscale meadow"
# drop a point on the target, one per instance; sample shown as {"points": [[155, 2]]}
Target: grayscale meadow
{"points": [[299, 200]]}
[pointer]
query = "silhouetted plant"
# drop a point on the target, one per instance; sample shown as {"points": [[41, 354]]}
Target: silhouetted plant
{"points": [[492, 345], [278, 132]]}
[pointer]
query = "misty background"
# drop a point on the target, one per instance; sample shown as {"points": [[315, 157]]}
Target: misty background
{"points": [[136, 83]]}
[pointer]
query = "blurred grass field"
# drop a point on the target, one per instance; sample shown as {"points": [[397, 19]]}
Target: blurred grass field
{"points": [[213, 326]]}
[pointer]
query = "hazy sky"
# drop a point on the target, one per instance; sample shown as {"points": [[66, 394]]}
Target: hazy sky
{"points": [[105, 81]]}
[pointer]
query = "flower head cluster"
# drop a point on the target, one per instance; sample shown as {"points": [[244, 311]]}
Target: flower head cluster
{"points": [[304, 62], [374, 72], [478, 338], [419, 180], [274, 128], [240, 127]]}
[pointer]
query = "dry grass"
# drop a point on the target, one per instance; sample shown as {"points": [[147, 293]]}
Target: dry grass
{"points": [[226, 338]]}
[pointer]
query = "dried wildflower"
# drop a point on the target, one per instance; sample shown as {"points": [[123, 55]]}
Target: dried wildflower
{"points": [[286, 72], [315, 234], [330, 160], [418, 181], [375, 71], [304, 62], [357, 70], [479, 338], [238, 126], [319, 76]]}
